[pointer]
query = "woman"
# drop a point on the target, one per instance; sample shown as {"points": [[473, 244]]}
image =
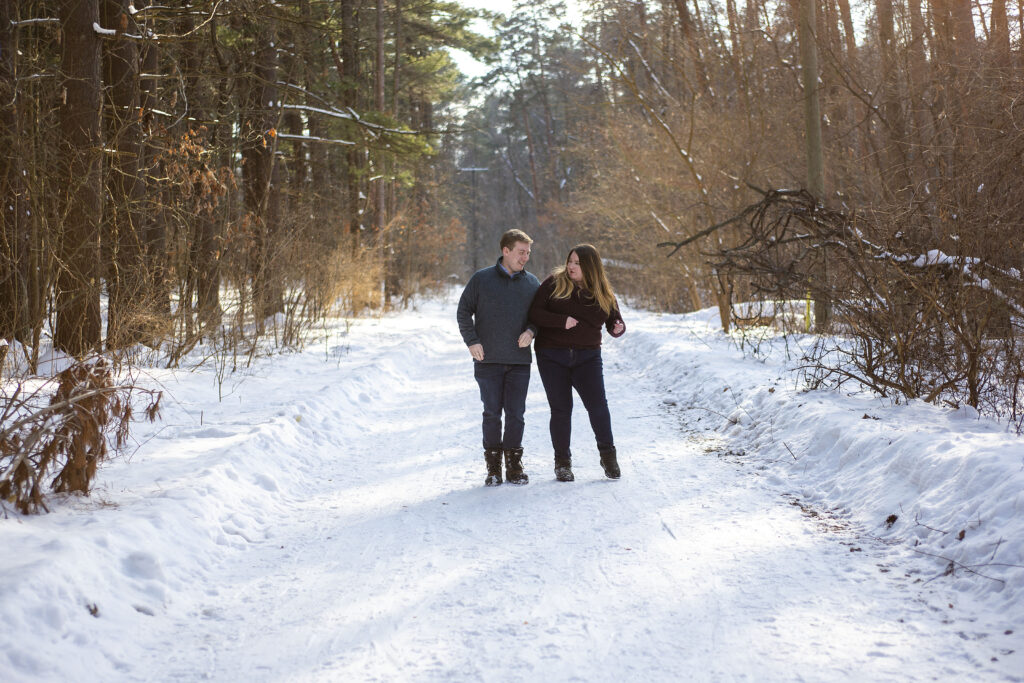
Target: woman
{"points": [[568, 310]]}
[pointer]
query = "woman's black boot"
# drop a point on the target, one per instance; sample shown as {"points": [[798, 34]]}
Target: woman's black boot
{"points": [[493, 458], [514, 466], [563, 468], [609, 461]]}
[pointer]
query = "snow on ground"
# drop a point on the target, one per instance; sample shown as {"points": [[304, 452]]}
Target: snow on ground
{"points": [[327, 522]]}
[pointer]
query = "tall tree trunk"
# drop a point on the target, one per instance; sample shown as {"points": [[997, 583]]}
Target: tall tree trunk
{"points": [[122, 241], [805, 13], [203, 278], [209, 231], [258, 144], [918, 101], [1000, 40], [378, 104], [736, 60], [154, 222], [399, 53], [897, 178], [690, 46], [77, 291], [351, 78], [14, 223]]}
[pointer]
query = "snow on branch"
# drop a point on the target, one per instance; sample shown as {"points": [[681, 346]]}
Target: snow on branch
{"points": [[515, 176], [311, 138], [32, 22], [660, 222], [111, 33], [349, 115], [651, 74]]}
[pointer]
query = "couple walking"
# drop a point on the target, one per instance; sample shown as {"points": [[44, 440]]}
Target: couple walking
{"points": [[502, 310]]}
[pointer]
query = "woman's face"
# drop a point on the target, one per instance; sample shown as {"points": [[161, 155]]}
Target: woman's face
{"points": [[572, 267]]}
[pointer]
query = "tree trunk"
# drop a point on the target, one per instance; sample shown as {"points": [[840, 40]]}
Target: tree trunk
{"points": [[14, 224], [154, 222], [258, 144], [378, 104], [122, 242], [1000, 36], [812, 128], [690, 46], [77, 290], [351, 77], [897, 178]]}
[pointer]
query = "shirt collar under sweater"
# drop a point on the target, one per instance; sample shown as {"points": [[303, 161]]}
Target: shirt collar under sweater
{"points": [[501, 267]]}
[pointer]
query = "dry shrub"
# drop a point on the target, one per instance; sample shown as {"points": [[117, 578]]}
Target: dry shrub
{"points": [[423, 250], [910, 321], [84, 419], [347, 280]]}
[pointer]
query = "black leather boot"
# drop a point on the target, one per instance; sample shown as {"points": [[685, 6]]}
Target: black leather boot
{"points": [[493, 458], [563, 468], [514, 466], [609, 461]]}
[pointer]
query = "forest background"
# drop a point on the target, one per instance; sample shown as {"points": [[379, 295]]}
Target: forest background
{"points": [[230, 172]]}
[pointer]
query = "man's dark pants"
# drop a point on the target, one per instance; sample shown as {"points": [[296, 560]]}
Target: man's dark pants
{"points": [[561, 371], [503, 389]]}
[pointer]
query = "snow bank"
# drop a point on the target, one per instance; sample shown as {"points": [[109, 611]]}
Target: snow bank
{"points": [[946, 484], [209, 477]]}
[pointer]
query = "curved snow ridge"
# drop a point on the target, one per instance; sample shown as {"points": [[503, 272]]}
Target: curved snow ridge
{"points": [[210, 479], [942, 484]]}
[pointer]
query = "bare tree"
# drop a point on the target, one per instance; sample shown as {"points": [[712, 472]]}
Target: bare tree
{"points": [[77, 290]]}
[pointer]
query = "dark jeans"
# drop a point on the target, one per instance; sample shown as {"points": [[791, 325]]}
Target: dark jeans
{"points": [[503, 388], [561, 371]]}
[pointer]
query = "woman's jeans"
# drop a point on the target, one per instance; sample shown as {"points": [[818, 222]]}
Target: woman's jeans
{"points": [[503, 389], [561, 371]]}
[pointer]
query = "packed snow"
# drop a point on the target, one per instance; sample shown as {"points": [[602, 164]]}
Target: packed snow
{"points": [[327, 521]]}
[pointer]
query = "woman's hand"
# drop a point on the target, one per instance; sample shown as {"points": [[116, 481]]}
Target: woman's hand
{"points": [[525, 338], [618, 327], [570, 322]]}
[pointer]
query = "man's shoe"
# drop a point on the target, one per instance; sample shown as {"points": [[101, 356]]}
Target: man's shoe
{"points": [[609, 461], [563, 469], [492, 456], [514, 466]]}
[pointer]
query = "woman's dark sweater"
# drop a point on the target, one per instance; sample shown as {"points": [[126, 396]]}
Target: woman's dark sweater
{"points": [[549, 315]]}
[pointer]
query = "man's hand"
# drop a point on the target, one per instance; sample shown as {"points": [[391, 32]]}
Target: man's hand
{"points": [[525, 338], [477, 351], [570, 322]]}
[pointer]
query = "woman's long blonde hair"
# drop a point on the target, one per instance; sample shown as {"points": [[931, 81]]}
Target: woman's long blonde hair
{"points": [[594, 279]]}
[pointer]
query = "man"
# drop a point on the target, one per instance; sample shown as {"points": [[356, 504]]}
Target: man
{"points": [[492, 317]]}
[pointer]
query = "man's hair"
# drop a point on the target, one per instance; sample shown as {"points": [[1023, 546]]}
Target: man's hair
{"points": [[509, 239]]}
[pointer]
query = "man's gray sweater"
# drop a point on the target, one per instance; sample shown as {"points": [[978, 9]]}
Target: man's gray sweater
{"points": [[494, 311]]}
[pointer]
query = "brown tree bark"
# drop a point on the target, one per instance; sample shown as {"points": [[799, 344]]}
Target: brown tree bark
{"points": [[1000, 34], [202, 281], [897, 177], [125, 266], [691, 48], [77, 290], [153, 226], [351, 78], [379, 219], [14, 226], [806, 22], [259, 140]]}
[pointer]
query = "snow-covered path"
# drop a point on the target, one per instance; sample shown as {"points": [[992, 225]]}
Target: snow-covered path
{"points": [[327, 522]]}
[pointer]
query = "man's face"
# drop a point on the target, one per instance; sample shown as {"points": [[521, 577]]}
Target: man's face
{"points": [[515, 258]]}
